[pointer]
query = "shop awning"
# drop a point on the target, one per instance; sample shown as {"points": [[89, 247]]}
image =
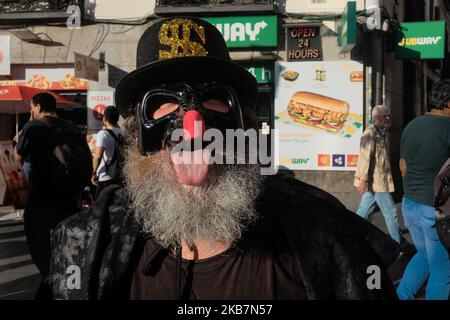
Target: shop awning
{"points": [[16, 99]]}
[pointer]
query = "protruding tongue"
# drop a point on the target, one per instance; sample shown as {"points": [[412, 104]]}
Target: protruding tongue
{"points": [[192, 167]]}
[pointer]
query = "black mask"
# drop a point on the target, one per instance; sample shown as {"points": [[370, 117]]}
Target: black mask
{"points": [[161, 110]]}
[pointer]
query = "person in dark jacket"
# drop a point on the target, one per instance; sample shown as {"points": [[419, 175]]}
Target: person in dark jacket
{"points": [[48, 204], [187, 229]]}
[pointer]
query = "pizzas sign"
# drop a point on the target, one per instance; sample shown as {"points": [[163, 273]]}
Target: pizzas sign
{"points": [[97, 102]]}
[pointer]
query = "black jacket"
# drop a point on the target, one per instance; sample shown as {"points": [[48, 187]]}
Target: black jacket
{"points": [[333, 246]]}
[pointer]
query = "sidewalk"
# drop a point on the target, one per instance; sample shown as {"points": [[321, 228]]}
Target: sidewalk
{"points": [[396, 270], [19, 277], [8, 213]]}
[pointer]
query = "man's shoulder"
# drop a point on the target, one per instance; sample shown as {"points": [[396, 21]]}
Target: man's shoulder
{"points": [[112, 133], [30, 125], [288, 188], [370, 131], [294, 201], [111, 198], [33, 132], [117, 130], [103, 138], [102, 134], [308, 214], [100, 238]]}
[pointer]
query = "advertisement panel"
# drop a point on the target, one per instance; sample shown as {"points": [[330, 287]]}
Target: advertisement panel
{"points": [[421, 40], [12, 171], [5, 55], [246, 32], [49, 79], [318, 112], [97, 101]]}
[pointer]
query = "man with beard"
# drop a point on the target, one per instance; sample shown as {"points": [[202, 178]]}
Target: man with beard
{"points": [[183, 230]]}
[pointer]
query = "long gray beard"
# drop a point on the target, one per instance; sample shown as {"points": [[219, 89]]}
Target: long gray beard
{"points": [[218, 211]]}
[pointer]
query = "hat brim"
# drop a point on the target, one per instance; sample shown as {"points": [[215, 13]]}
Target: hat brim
{"points": [[186, 69]]}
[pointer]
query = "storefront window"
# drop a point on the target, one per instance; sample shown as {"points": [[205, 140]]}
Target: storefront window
{"points": [[264, 105]]}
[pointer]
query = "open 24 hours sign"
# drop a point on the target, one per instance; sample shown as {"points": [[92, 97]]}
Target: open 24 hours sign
{"points": [[318, 114]]}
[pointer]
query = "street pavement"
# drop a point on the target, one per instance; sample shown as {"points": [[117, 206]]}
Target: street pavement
{"points": [[19, 277]]}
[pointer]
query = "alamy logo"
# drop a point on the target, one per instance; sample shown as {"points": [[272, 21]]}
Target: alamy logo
{"points": [[74, 20], [240, 31], [74, 277], [374, 280], [232, 147]]}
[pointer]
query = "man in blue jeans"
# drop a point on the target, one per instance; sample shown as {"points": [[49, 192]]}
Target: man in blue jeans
{"points": [[373, 178], [425, 146]]}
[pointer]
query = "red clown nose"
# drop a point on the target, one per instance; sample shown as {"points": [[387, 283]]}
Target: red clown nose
{"points": [[193, 124]]}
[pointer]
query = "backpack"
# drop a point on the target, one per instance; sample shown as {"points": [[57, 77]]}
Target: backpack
{"points": [[71, 158], [115, 167], [442, 204]]}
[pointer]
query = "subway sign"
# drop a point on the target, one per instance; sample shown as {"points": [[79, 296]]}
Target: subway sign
{"points": [[421, 40], [262, 71], [247, 32]]}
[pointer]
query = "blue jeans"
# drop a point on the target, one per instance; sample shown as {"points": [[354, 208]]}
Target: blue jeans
{"points": [[27, 171], [387, 207], [431, 260]]}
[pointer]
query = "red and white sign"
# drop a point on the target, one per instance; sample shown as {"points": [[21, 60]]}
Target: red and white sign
{"points": [[97, 102], [5, 56]]}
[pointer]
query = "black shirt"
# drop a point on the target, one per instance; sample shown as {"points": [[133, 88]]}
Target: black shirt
{"points": [[425, 146], [36, 146], [243, 272]]}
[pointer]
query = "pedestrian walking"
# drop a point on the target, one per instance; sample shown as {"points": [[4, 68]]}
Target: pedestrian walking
{"points": [[107, 151], [373, 178], [54, 147], [425, 146]]}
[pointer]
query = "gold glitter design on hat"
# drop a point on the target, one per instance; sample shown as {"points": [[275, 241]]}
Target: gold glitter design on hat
{"points": [[181, 47]]}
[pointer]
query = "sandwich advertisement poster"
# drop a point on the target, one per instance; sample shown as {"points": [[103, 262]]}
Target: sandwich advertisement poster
{"points": [[318, 114]]}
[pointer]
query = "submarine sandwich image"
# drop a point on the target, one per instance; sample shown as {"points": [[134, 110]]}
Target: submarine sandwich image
{"points": [[318, 111], [356, 76]]}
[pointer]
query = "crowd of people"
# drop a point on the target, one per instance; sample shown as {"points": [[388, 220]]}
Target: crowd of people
{"points": [[165, 229]]}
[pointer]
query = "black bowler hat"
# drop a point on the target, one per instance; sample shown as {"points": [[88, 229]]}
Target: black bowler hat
{"points": [[183, 49]]}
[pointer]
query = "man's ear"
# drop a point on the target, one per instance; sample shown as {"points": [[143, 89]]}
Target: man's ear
{"points": [[39, 108]]}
